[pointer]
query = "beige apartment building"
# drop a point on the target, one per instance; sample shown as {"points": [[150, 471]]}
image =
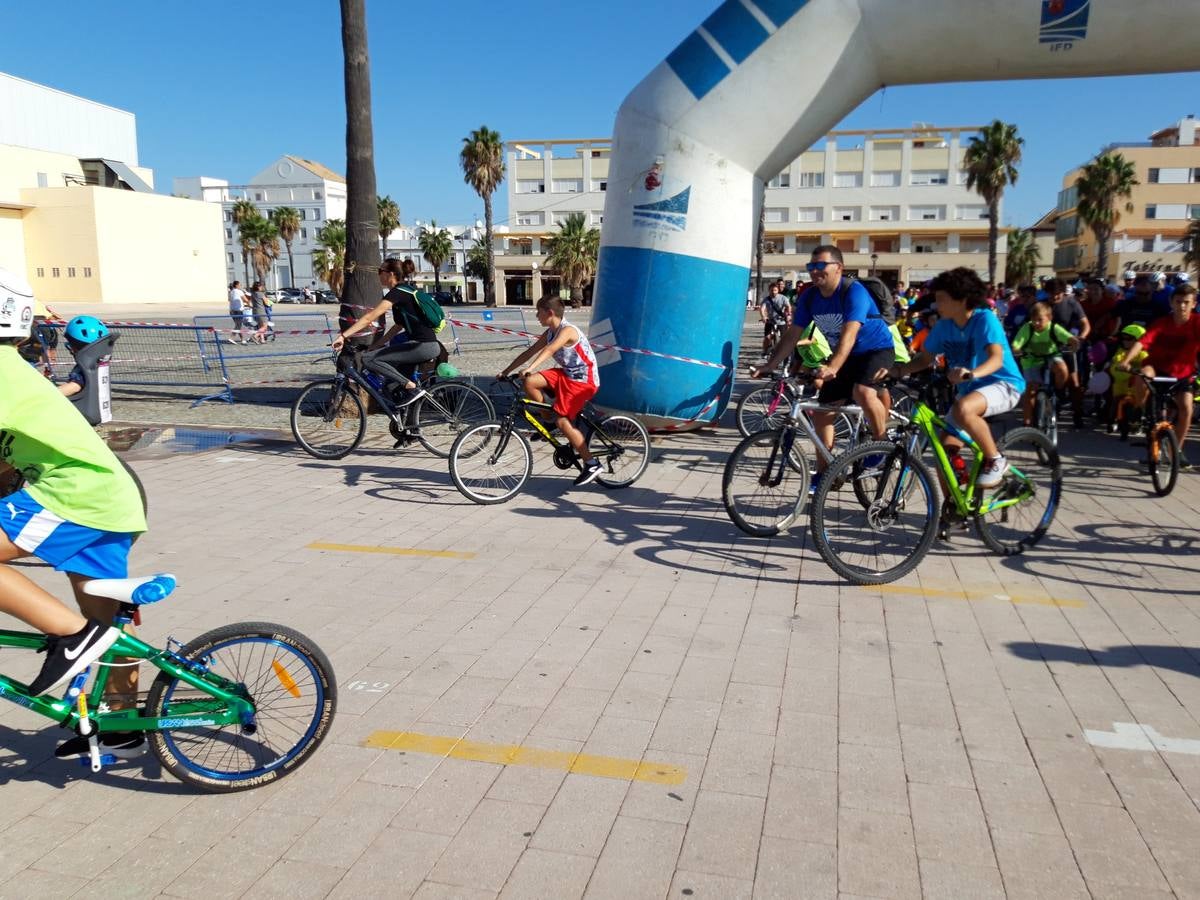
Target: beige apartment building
{"points": [[895, 201], [1153, 236], [80, 217]]}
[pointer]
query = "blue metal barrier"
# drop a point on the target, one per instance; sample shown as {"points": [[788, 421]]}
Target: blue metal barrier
{"points": [[508, 318]]}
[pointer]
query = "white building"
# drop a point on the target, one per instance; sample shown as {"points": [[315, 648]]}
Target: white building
{"points": [[315, 190], [404, 242]]}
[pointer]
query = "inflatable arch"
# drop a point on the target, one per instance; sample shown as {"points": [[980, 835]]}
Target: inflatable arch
{"points": [[693, 144]]}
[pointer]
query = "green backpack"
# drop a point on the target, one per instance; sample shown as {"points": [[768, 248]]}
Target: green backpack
{"points": [[431, 310]]}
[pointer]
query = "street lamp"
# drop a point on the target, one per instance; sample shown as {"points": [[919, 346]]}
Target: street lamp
{"points": [[874, 259]]}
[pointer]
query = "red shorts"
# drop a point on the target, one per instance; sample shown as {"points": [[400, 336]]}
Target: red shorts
{"points": [[569, 396]]}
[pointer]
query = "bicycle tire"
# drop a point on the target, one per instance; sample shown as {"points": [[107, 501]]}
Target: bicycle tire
{"points": [[1047, 417], [764, 408], [762, 493], [1016, 528], [477, 461], [626, 466], [328, 420], [449, 409], [1162, 454], [842, 529], [208, 758]]}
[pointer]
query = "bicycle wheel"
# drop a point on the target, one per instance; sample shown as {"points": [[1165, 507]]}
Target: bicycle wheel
{"points": [[295, 695], [1046, 416], [1034, 480], [449, 408], [1162, 451], [887, 539], [765, 484], [764, 408], [626, 453], [328, 420], [490, 463]]}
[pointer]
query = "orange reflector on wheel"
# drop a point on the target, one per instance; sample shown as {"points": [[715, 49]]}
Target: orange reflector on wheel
{"points": [[289, 684]]}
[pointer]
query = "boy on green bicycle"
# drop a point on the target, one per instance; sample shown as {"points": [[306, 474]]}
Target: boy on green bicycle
{"points": [[79, 510], [978, 360]]}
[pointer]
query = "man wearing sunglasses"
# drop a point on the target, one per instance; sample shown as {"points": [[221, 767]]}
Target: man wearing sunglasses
{"points": [[852, 324]]}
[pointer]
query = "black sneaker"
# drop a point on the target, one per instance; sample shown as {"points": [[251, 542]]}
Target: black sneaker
{"points": [[67, 656], [590, 473], [121, 744]]}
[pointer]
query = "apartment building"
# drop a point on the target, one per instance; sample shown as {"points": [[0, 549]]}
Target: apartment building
{"points": [[1153, 235], [895, 201], [79, 215]]}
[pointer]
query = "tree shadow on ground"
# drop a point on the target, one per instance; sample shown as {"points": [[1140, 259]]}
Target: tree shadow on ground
{"points": [[1178, 658]]}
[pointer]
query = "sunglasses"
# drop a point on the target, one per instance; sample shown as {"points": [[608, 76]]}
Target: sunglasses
{"points": [[820, 265]]}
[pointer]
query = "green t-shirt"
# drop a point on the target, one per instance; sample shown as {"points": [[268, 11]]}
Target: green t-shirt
{"points": [[67, 467], [1041, 344]]}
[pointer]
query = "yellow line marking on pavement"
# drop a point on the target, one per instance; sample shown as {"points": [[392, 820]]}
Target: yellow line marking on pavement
{"points": [[395, 551], [1034, 599], [516, 755]]}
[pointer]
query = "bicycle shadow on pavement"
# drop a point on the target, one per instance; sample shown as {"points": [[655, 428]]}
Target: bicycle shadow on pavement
{"points": [[416, 484], [1185, 660]]}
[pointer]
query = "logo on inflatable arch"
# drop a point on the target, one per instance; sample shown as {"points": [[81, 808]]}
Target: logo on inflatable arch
{"points": [[669, 214], [1063, 22]]}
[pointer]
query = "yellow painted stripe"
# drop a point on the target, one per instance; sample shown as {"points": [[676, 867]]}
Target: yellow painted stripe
{"points": [[952, 594], [532, 757], [394, 551]]}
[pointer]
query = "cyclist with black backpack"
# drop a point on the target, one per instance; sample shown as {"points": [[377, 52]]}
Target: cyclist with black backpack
{"points": [[397, 363], [774, 311]]}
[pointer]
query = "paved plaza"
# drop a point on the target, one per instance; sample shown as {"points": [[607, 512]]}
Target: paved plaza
{"points": [[618, 695]]}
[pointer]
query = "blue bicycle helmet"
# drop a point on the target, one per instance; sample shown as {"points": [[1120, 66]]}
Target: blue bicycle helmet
{"points": [[84, 330]]}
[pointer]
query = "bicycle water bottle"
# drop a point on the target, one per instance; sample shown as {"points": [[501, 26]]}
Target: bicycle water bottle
{"points": [[959, 465], [374, 380]]}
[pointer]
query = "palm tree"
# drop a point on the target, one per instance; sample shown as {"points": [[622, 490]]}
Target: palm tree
{"points": [[991, 165], [362, 212], [243, 211], [477, 260], [389, 219], [287, 220], [248, 230], [1101, 185], [572, 253], [1192, 256], [265, 249], [1024, 256], [330, 261], [482, 160], [436, 245]]}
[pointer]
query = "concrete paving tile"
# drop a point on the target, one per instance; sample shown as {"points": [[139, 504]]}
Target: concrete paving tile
{"points": [[431, 890], [739, 763], [394, 865], [503, 724], [751, 708], [756, 664], [1015, 799], [581, 815], [872, 778], [1108, 846], [572, 715], [949, 825], [540, 874], [448, 796], [638, 859], [1072, 773], [43, 885], [702, 678], [465, 701], [949, 880], [663, 802], [876, 857], [1037, 865], [935, 756], [723, 835], [270, 832], [802, 805], [291, 878], [706, 886], [212, 876], [686, 726], [347, 828], [487, 847], [867, 720], [145, 870], [640, 695], [992, 734], [924, 703], [790, 868]]}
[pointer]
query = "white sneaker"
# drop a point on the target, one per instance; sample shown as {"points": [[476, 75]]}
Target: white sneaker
{"points": [[992, 472]]}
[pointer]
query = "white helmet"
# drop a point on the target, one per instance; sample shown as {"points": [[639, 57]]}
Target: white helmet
{"points": [[1160, 277], [1130, 275], [16, 305], [1183, 277]]}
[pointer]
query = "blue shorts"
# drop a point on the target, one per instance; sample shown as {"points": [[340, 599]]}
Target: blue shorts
{"points": [[66, 546]]}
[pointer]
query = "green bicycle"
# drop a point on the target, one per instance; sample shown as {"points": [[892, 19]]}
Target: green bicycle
{"points": [[235, 708], [878, 509]]}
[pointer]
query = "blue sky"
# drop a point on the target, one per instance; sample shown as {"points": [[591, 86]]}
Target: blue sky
{"points": [[223, 88]]}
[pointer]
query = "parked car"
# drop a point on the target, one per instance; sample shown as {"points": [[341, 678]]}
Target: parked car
{"points": [[326, 297], [444, 298], [291, 295]]}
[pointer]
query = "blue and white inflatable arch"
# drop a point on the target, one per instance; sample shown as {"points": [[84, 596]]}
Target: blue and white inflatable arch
{"points": [[693, 144]]}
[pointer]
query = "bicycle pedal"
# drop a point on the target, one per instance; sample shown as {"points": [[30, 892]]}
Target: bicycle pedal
{"points": [[106, 759]]}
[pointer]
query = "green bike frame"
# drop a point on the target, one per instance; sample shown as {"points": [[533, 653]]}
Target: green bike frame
{"points": [[227, 704]]}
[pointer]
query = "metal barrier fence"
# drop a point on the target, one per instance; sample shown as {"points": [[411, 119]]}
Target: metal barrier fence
{"points": [[465, 338], [281, 356]]}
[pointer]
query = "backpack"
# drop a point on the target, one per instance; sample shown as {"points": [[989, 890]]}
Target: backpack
{"points": [[885, 304], [430, 309]]}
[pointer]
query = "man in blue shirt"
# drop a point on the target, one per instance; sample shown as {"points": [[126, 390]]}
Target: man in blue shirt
{"points": [[978, 360], [847, 316]]}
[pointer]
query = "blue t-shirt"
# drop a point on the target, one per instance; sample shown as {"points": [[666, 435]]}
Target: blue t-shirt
{"points": [[852, 305], [966, 348]]}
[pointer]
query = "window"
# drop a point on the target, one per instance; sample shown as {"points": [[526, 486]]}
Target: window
{"points": [[1168, 211], [928, 245], [847, 179], [775, 215], [884, 213], [87, 271], [560, 218], [772, 245], [531, 186], [807, 245], [230, 255], [70, 271], [888, 178], [926, 213], [1147, 245], [883, 245], [960, 177], [782, 180], [54, 273], [1170, 176], [304, 234], [846, 213], [812, 179], [809, 214], [529, 218], [972, 245], [929, 176], [971, 211], [316, 195], [567, 185], [597, 217], [599, 184], [258, 196], [228, 215], [41, 273], [229, 234], [43, 180], [846, 245]]}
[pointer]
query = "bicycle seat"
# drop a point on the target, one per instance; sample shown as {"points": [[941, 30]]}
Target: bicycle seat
{"points": [[139, 590]]}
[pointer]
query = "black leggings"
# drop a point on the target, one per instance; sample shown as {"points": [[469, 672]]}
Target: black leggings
{"points": [[397, 363]]}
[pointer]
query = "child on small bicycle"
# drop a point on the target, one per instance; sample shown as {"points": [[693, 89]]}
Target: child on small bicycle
{"points": [[1041, 342], [1122, 379], [79, 510], [978, 360], [573, 382], [80, 332]]}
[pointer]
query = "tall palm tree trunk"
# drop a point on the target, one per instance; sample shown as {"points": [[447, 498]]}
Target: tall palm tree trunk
{"points": [[1102, 240], [291, 265], [246, 266], [362, 214], [993, 237], [489, 284]]}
